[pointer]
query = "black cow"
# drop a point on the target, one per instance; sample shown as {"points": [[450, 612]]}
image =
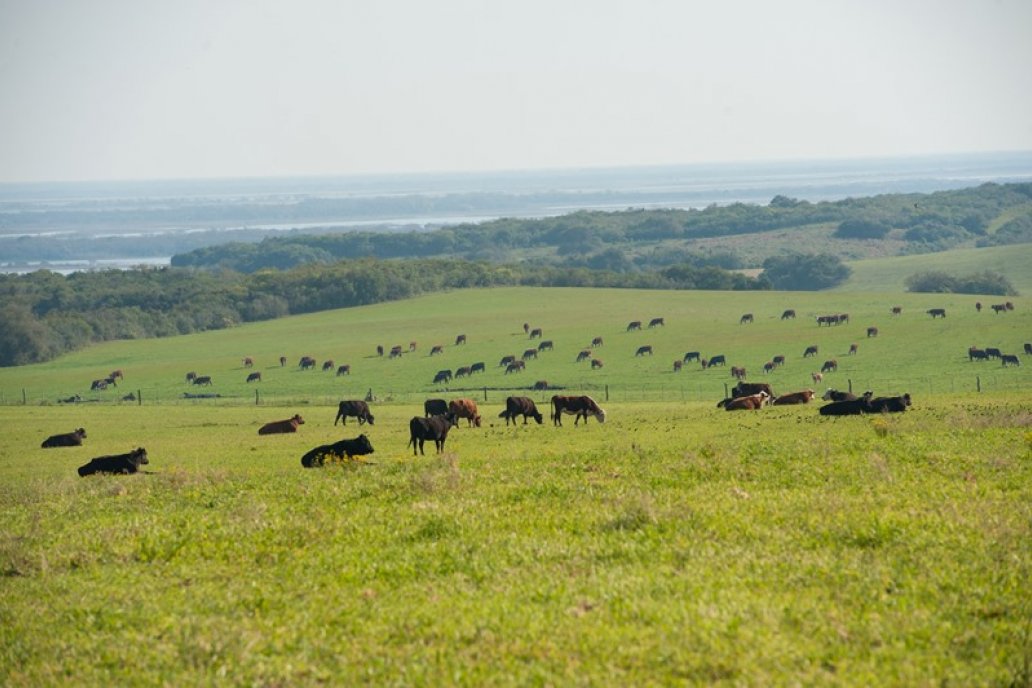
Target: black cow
{"points": [[1010, 359], [810, 351], [657, 322], [306, 363], [715, 360], [850, 407], [1028, 348], [68, 439], [338, 451], [546, 345], [435, 428], [202, 380], [520, 406], [888, 404], [747, 318], [691, 356], [442, 376], [118, 463], [356, 408], [788, 315], [746, 389], [435, 407], [254, 377], [579, 407], [476, 368], [936, 312], [975, 354], [835, 395], [993, 352], [642, 350]]}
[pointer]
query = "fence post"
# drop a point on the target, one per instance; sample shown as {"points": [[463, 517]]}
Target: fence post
{"points": [[485, 393], [850, 385], [978, 383], [607, 392], [24, 399], [256, 401], [726, 393], [139, 398]]}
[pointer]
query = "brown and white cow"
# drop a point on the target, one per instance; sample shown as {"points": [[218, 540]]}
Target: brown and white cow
{"points": [[459, 340], [596, 363], [583, 355], [465, 408], [578, 406], [281, 426], [872, 331], [597, 341]]}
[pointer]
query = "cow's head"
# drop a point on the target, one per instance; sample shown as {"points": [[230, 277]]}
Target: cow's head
{"points": [[361, 445], [369, 418], [298, 419], [139, 456]]}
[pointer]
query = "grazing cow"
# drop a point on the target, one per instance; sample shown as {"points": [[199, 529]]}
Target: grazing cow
{"points": [[580, 407], [634, 325], [353, 407], [715, 361], [744, 389], [872, 331], [810, 351], [642, 350], [835, 395], [803, 397], [279, 427], [506, 360], [936, 312], [583, 355], [520, 406], [442, 376], [282, 361], [753, 402], [338, 451], [788, 314], [248, 362], [437, 349], [461, 339], [853, 348], [778, 360], [464, 371], [1010, 359], [254, 377], [68, 439], [998, 308], [541, 385], [978, 306], [817, 378], [477, 368], [1028, 348], [678, 364], [828, 320], [396, 351], [691, 356], [536, 333], [344, 370], [829, 366], [993, 352], [657, 322], [737, 373], [435, 428], [847, 407], [306, 363], [526, 328], [976, 354], [435, 407], [117, 463], [528, 354], [515, 367], [596, 363], [465, 408], [896, 310], [546, 345], [843, 317], [412, 347], [202, 380], [97, 385], [768, 367], [888, 404], [746, 318], [1009, 305], [597, 341]]}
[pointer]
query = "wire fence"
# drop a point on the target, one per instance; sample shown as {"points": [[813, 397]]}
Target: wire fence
{"points": [[702, 391]]}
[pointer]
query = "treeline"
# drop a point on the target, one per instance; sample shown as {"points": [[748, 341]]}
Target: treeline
{"points": [[614, 240], [44, 314]]}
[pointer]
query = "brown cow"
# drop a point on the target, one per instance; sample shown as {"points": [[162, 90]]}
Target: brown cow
{"points": [[282, 361], [678, 364], [529, 353], [396, 351], [281, 426], [248, 362], [465, 408], [463, 371], [117, 375], [596, 363], [437, 349], [580, 407], [804, 397], [461, 339], [412, 346], [520, 406], [328, 365], [597, 341], [737, 373], [817, 377], [853, 348]]}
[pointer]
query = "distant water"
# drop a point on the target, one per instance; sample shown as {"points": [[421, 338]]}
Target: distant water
{"points": [[160, 209]]}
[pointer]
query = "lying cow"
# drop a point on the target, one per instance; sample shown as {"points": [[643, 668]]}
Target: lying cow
{"points": [[835, 395], [580, 407], [354, 407], [68, 439], [465, 408], [423, 429], [745, 389], [750, 403], [888, 404], [281, 426], [338, 451], [803, 397], [520, 406], [118, 464]]}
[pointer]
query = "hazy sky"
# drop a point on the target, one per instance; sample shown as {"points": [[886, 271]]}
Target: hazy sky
{"points": [[127, 89]]}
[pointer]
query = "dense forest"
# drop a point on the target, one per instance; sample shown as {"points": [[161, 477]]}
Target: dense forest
{"points": [[636, 239]]}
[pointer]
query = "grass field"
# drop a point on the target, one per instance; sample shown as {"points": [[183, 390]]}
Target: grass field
{"points": [[674, 544]]}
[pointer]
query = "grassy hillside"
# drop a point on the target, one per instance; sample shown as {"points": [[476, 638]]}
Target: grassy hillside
{"points": [[912, 352], [888, 274]]}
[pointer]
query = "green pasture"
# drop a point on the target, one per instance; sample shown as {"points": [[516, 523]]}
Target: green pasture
{"points": [[912, 352], [889, 274], [674, 544]]}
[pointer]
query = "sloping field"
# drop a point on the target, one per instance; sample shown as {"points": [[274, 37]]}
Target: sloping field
{"points": [[889, 274], [912, 352]]}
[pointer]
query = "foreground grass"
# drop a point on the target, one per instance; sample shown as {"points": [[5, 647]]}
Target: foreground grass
{"points": [[675, 543]]}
